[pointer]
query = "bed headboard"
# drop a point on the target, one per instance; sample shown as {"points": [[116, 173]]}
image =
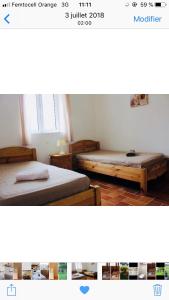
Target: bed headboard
{"points": [[17, 154], [84, 146]]}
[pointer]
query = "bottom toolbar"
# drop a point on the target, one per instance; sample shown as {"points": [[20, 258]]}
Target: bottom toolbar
{"points": [[134, 280], [63, 290]]}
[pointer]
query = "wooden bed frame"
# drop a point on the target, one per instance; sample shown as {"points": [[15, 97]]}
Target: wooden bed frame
{"points": [[142, 176], [17, 154], [90, 197]]}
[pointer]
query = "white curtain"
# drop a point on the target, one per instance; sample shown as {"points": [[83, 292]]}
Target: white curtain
{"points": [[79, 267], [65, 117], [25, 124]]}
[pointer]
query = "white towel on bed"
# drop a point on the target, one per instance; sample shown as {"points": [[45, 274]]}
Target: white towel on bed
{"points": [[30, 175]]}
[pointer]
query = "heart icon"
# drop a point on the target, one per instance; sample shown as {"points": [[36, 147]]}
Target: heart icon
{"points": [[84, 289]]}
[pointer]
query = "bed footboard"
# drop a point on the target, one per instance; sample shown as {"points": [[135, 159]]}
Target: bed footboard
{"points": [[91, 197], [123, 172]]}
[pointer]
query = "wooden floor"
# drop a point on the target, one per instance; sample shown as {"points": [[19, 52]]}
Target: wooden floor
{"points": [[117, 192]]}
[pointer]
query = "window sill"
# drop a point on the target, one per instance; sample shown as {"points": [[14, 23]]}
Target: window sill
{"points": [[46, 132]]}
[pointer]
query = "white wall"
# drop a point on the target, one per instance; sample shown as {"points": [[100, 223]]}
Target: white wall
{"points": [[45, 144], [83, 122], [9, 121], [90, 267], [121, 127]]}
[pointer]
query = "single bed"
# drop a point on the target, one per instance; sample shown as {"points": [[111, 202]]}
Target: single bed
{"points": [[141, 168], [64, 187]]}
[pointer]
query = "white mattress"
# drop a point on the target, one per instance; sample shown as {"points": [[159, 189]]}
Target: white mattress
{"points": [[141, 160], [62, 183]]}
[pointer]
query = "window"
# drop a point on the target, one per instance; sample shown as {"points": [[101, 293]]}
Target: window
{"points": [[45, 114], [78, 267], [42, 113]]}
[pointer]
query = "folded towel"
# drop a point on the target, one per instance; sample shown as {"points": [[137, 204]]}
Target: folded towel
{"points": [[32, 175]]}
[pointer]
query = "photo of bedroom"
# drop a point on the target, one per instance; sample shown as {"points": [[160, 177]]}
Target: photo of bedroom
{"points": [[83, 150], [84, 271]]}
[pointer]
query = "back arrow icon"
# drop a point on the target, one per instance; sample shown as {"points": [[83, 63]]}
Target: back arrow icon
{"points": [[6, 19]]}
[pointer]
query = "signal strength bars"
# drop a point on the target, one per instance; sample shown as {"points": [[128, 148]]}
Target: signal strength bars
{"points": [[4, 5]]}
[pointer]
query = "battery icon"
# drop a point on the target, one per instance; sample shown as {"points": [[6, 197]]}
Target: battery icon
{"points": [[160, 4]]}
